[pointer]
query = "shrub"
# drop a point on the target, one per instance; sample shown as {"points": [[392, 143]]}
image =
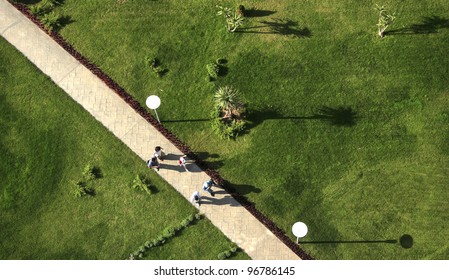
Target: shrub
{"points": [[51, 21], [141, 184], [89, 172], [154, 64], [43, 7], [168, 232], [213, 69], [226, 129], [79, 189]]}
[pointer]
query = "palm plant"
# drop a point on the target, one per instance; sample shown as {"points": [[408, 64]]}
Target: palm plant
{"points": [[233, 18], [385, 20], [226, 98]]}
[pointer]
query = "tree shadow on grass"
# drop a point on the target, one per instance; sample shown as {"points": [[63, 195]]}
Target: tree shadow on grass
{"points": [[258, 13], [285, 27], [338, 116], [428, 25]]}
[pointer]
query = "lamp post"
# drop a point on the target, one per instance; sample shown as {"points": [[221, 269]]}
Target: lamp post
{"points": [[299, 229], [153, 102]]}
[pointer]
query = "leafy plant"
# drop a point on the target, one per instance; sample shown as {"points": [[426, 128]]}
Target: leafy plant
{"points": [[141, 184], [43, 7], [81, 189], [89, 172], [385, 20], [227, 129], [154, 64], [233, 18], [51, 21], [213, 69]]}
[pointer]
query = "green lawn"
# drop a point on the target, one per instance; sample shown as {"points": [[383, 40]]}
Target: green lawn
{"points": [[46, 140], [376, 180]]}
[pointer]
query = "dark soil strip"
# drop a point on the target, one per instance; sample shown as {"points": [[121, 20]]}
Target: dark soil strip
{"points": [[170, 136]]}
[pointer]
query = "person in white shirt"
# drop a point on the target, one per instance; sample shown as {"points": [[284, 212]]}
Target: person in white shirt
{"points": [[196, 198], [159, 153], [182, 162]]}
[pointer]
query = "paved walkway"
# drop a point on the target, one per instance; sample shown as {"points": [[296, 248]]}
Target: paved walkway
{"points": [[110, 110]]}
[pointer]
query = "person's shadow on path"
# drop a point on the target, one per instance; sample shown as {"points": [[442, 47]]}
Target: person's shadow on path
{"points": [[226, 200]]}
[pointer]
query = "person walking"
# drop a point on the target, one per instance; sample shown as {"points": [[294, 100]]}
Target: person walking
{"points": [[153, 163], [207, 186], [196, 198], [182, 162], [159, 153]]}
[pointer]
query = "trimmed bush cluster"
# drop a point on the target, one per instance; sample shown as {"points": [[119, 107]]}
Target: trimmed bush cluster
{"points": [[213, 174], [166, 234], [228, 253], [142, 184]]}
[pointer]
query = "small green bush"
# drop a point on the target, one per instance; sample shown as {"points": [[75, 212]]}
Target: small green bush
{"points": [[89, 173], [43, 7], [51, 21], [213, 69], [154, 64], [141, 184], [79, 190], [226, 129]]}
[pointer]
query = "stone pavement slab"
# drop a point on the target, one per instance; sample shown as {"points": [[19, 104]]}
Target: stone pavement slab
{"points": [[141, 137]]}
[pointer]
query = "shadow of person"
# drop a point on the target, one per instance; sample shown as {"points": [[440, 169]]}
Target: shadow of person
{"points": [[225, 200]]}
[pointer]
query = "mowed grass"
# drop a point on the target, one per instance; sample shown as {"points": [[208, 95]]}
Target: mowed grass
{"points": [[46, 140], [371, 168]]}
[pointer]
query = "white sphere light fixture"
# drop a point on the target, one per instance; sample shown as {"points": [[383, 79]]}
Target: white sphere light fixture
{"points": [[153, 102], [300, 230]]}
